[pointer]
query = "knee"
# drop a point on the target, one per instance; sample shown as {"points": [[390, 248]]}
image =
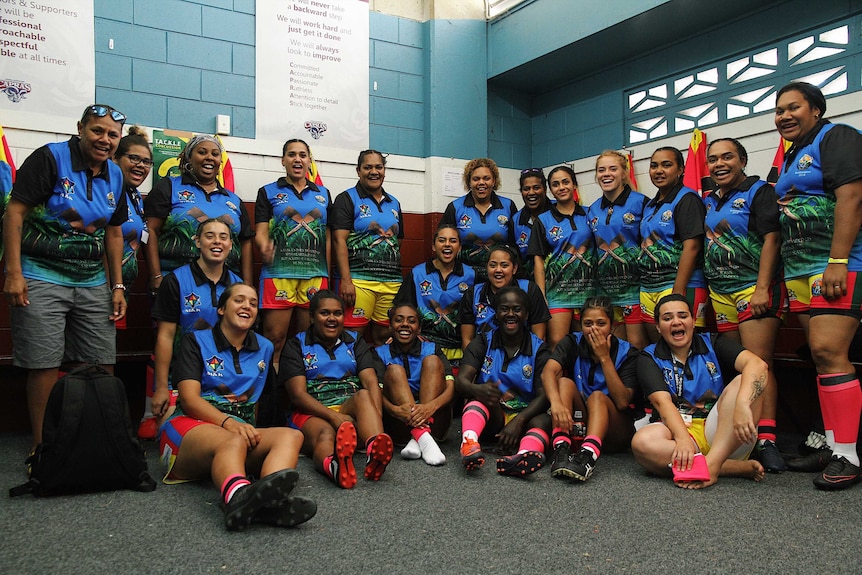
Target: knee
{"points": [[288, 436], [363, 398], [824, 352], [641, 445], [432, 363]]}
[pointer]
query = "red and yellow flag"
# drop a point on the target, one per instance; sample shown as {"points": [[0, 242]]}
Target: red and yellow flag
{"points": [[696, 175], [630, 161], [778, 161], [225, 171], [6, 156], [313, 173]]}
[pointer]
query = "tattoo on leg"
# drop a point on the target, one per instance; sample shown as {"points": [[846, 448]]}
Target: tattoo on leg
{"points": [[758, 385]]}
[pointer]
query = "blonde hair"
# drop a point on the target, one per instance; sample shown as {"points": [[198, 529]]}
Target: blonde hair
{"points": [[624, 164]]}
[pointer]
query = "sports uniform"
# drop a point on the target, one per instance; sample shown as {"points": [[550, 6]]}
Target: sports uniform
{"points": [[479, 303], [182, 204], [522, 230], [134, 229], [573, 353], [297, 227], [411, 361], [373, 251], [566, 244], [480, 233], [616, 229], [736, 223], [666, 224]]}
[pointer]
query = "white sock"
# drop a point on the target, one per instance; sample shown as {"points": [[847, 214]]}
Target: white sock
{"points": [[411, 450], [469, 435], [847, 450], [431, 453]]}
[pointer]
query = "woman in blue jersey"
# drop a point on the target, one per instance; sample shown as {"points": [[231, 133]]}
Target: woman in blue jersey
{"points": [[483, 218], [330, 376], [705, 421], [534, 192], [500, 377], [602, 384], [367, 228], [220, 374], [176, 205], [291, 232], [478, 306], [671, 255], [186, 301], [563, 250], [417, 388], [436, 288], [742, 266], [615, 219], [820, 191]]}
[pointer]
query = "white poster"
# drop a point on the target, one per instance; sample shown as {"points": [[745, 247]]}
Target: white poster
{"points": [[47, 63], [312, 72]]}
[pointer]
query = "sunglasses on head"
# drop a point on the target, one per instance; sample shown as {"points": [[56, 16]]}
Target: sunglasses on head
{"points": [[101, 111], [531, 171]]}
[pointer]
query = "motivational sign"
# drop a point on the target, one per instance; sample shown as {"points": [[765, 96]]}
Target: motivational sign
{"points": [[312, 71], [47, 62]]}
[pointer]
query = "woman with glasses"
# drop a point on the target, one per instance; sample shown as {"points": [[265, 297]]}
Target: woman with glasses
{"points": [[534, 188], [483, 218], [62, 224], [176, 206]]}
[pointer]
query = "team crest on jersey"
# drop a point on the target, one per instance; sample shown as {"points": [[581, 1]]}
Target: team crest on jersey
{"points": [[741, 306], [502, 220], [527, 370], [309, 360], [481, 308], [708, 208], [280, 198], [462, 287], [465, 221], [738, 204], [364, 211], [192, 302], [261, 365], [110, 197], [712, 369], [425, 287], [667, 215], [805, 162], [522, 239], [186, 195], [594, 223], [556, 232], [628, 218], [816, 287], [68, 188], [395, 214], [488, 364], [231, 205], [320, 200], [215, 364]]}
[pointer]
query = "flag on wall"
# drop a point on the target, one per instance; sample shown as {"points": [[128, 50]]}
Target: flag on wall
{"points": [[630, 161], [696, 175], [313, 173], [775, 171], [6, 158], [225, 171]]}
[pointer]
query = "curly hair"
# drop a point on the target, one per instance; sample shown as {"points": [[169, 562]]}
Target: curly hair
{"points": [[476, 163]]}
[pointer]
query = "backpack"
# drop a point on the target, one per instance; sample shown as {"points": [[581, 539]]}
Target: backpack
{"points": [[87, 440]]}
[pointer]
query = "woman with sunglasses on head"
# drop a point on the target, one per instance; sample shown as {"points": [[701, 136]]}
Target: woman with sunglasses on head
{"points": [[615, 219], [671, 254], [290, 218], [743, 267], [176, 205], [820, 191], [534, 188], [483, 218], [62, 224], [221, 373], [367, 229], [479, 304], [562, 247]]}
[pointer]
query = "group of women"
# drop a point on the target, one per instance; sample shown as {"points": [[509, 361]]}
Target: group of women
{"points": [[533, 317]]}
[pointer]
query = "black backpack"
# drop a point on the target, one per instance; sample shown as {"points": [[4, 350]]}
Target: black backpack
{"points": [[87, 440]]}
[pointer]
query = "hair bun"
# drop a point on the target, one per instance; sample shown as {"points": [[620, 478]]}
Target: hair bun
{"points": [[137, 131]]}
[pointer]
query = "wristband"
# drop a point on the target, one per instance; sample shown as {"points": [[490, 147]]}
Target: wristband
{"points": [[225, 421], [843, 261], [157, 276], [118, 286]]}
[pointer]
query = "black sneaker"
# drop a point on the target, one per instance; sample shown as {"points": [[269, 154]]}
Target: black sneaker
{"points": [[521, 464], [839, 474], [816, 461], [766, 452], [291, 512], [269, 491], [582, 464], [561, 460]]}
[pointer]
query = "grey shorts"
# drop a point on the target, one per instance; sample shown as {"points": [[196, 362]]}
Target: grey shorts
{"points": [[63, 324]]}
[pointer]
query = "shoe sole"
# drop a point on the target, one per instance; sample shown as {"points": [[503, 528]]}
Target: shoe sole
{"points": [[291, 512], [521, 465], [582, 476], [379, 458], [267, 492], [345, 446], [473, 461]]}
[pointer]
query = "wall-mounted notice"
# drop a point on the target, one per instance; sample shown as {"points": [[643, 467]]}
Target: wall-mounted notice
{"points": [[312, 72], [47, 63]]}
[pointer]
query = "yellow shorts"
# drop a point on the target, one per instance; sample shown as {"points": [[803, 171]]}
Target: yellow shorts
{"points": [[731, 309], [697, 430], [278, 293], [799, 292], [373, 301], [697, 297]]}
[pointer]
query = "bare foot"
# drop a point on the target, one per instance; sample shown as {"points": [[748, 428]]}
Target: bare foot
{"points": [[748, 469]]}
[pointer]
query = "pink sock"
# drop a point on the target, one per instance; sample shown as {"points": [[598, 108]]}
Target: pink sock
{"points": [[474, 418], [840, 404], [534, 440], [417, 432], [559, 435], [593, 443], [766, 429], [233, 484]]}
